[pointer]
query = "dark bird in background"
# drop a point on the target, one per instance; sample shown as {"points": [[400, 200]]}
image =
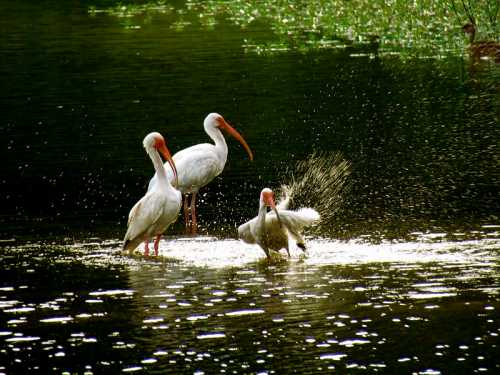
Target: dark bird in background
{"points": [[482, 48]]}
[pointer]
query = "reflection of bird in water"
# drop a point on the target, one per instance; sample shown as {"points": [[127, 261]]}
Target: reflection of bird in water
{"points": [[159, 208], [480, 49], [199, 164], [273, 230]]}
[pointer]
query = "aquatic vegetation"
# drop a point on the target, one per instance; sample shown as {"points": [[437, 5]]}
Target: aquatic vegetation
{"points": [[423, 27], [128, 13], [130, 10]]}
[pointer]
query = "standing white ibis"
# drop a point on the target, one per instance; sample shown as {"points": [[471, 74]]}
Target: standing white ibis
{"points": [[159, 208], [199, 164], [272, 230]]}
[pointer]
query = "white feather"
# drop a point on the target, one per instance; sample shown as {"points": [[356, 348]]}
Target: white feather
{"points": [[273, 234]]}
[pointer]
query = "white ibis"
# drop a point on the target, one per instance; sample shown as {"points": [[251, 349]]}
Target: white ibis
{"points": [[272, 230], [159, 208], [199, 164]]}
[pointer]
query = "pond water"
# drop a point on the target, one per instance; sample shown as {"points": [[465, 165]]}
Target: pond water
{"points": [[211, 306], [404, 278]]}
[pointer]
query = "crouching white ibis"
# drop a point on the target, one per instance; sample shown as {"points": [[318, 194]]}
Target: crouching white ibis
{"points": [[159, 208], [199, 164], [272, 230]]}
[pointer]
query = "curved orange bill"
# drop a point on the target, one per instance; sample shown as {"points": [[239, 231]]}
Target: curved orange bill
{"points": [[166, 154], [270, 203], [224, 125]]}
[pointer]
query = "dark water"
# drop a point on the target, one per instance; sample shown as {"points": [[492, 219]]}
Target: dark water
{"points": [[80, 91]]}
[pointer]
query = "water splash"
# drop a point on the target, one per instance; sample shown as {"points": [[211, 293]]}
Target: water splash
{"points": [[208, 252], [321, 181]]}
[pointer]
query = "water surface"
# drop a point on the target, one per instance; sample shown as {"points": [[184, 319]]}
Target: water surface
{"points": [[208, 306], [403, 279]]}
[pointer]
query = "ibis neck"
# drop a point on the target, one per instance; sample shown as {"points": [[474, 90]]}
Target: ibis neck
{"points": [[220, 143], [159, 168], [261, 217]]}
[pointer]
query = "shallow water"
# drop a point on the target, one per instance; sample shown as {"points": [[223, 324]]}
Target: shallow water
{"points": [[207, 305]]}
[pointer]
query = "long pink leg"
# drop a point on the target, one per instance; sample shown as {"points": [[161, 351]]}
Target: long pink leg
{"points": [[146, 248], [157, 244], [194, 223], [186, 214]]}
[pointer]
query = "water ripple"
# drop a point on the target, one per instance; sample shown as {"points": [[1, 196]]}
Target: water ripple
{"points": [[346, 305]]}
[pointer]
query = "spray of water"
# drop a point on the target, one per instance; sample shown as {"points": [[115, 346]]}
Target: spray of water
{"points": [[321, 181]]}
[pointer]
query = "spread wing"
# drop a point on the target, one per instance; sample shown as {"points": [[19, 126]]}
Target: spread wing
{"points": [[294, 221]]}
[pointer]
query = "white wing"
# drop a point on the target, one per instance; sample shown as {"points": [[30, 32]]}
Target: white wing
{"points": [[245, 232], [293, 221], [196, 167], [300, 218], [143, 216]]}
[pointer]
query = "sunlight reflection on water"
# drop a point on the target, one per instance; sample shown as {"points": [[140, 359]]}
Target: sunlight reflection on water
{"points": [[214, 253], [209, 304]]}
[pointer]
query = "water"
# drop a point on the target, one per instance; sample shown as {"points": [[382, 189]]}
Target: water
{"points": [[402, 279], [210, 305]]}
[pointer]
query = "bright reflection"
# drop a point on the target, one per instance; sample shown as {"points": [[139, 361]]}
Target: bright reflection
{"points": [[211, 252], [209, 303]]}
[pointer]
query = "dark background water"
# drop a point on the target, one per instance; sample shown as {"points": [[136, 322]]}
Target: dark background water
{"points": [[80, 91]]}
